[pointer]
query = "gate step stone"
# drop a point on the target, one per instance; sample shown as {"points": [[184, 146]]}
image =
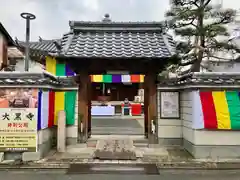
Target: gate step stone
{"points": [[112, 149]]}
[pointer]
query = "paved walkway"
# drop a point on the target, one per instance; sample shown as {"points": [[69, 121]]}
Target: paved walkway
{"points": [[81, 153], [117, 125]]}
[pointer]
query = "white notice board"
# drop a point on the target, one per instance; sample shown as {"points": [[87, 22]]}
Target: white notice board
{"points": [[169, 105]]}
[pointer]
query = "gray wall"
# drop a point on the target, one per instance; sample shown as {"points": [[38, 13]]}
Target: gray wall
{"points": [[169, 130]]}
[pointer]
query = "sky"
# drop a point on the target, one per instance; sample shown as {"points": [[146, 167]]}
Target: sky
{"points": [[53, 16]]}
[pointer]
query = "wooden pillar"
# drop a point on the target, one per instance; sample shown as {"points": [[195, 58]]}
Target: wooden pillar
{"points": [[153, 96], [83, 103], [153, 107], [89, 106], [150, 102], [146, 106]]}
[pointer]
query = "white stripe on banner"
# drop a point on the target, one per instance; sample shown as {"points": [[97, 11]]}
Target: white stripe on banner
{"points": [[126, 78], [44, 110], [197, 115]]}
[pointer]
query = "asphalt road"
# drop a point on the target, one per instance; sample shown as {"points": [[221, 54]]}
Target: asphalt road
{"points": [[165, 175]]}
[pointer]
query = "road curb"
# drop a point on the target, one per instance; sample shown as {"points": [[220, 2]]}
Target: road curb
{"points": [[160, 165]]}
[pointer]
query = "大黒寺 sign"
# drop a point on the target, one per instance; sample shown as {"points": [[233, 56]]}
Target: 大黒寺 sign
{"points": [[18, 120]]}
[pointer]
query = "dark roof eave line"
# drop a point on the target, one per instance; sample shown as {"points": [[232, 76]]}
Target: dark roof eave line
{"points": [[115, 24], [94, 57], [94, 29]]}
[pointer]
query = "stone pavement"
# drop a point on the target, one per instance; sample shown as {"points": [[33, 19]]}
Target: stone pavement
{"points": [[117, 125], [165, 158]]}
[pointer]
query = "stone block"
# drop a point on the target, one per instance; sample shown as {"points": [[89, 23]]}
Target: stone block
{"points": [[115, 149], [1, 156], [61, 132], [31, 156]]}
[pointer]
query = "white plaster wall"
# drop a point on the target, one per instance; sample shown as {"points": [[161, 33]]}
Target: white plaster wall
{"points": [[168, 128], [203, 137], [186, 115], [33, 66]]}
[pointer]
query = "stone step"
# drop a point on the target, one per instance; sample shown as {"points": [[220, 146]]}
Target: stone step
{"points": [[143, 140], [112, 149], [138, 140], [140, 144], [91, 143]]}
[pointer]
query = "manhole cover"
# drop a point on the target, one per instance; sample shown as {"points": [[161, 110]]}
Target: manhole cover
{"points": [[113, 169]]}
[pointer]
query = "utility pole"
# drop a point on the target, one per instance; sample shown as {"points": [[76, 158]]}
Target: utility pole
{"points": [[28, 17]]}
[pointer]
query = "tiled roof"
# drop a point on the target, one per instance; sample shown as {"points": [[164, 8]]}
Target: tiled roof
{"points": [[116, 44], [34, 79], [13, 52], [203, 78], [111, 39], [41, 45]]}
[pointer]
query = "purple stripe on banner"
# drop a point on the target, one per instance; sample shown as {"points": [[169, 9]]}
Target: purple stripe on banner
{"points": [[39, 110], [116, 78], [68, 71]]}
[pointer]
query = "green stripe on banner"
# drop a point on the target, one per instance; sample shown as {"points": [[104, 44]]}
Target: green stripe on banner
{"points": [[107, 78], [60, 69], [70, 102], [233, 102]]}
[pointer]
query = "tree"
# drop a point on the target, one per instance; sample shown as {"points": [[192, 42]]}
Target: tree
{"points": [[202, 26]]}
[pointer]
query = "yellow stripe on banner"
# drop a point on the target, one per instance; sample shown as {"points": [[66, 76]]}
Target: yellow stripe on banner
{"points": [[97, 78], [141, 78], [59, 105], [221, 108], [51, 65]]}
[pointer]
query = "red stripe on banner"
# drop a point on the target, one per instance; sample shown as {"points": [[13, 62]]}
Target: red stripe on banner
{"points": [[208, 108], [51, 109]]}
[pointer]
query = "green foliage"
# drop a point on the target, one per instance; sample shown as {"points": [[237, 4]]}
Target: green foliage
{"points": [[202, 24]]}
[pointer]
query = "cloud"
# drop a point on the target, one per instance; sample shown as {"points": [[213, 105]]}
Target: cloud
{"points": [[52, 16]]}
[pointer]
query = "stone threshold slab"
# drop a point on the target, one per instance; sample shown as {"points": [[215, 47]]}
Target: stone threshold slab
{"points": [[112, 149]]}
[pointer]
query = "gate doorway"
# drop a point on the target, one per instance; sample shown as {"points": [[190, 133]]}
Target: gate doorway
{"points": [[109, 115], [85, 102]]}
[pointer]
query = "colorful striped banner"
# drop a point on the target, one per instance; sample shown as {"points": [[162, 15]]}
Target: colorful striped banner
{"points": [[44, 110], [51, 108], [62, 100], [70, 103], [220, 110], [117, 78], [39, 110], [59, 105]]}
